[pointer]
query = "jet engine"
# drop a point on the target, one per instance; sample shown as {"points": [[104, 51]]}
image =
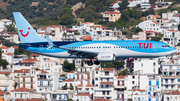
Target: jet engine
{"points": [[106, 57]]}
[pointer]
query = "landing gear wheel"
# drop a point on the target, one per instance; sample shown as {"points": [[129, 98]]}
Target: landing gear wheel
{"points": [[90, 63], [96, 62]]}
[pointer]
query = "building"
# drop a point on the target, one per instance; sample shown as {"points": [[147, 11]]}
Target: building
{"points": [[171, 96], [111, 16], [144, 3], [4, 23], [104, 82], [6, 81], [145, 35], [146, 66], [120, 88], [83, 97], [46, 82], [21, 93]]}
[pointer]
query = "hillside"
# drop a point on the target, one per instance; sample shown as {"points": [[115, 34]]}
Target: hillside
{"points": [[48, 9]]}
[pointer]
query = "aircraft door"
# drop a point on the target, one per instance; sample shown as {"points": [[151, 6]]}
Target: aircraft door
{"points": [[41, 48], [154, 47]]}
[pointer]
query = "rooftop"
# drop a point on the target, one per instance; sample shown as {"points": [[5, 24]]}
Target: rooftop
{"points": [[22, 90], [69, 80], [105, 69], [29, 100], [101, 99], [22, 71], [111, 12]]}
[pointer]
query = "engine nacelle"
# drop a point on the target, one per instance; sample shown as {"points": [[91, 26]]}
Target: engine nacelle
{"points": [[106, 56]]}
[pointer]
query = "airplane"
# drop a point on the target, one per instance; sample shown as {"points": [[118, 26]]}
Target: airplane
{"points": [[98, 50]]}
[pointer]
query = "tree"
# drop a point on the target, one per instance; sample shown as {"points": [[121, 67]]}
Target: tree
{"points": [[123, 5], [72, 87], [156, 38], [125, 16], [124, 72], [70, 100], [10, 28], [68, 66], [66, 19], [64, 87]]}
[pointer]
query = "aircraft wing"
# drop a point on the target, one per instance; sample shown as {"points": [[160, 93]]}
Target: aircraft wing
{"points": [[80, 53]]}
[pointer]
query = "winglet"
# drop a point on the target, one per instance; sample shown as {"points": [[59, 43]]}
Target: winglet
{"points": [[49, 42], [92, 36]]}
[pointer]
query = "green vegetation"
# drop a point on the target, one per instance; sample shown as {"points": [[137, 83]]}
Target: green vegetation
{"points": [[11, 28], [123, 5], [46, 9], [70, 100], [36, 69], [64, 87], [115, 64], [157, 38], [62, 75], [20, 51], [72, 87], [68, 66], [124, 72]]}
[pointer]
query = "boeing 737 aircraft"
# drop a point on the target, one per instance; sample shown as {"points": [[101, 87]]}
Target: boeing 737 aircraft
{"points": [[100, 50]]}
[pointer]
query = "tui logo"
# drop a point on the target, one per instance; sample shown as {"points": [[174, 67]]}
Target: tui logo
{"points": [[24, 35]]}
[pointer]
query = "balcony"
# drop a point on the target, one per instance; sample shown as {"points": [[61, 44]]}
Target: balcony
{"points": [[45, 85], [4, 84], [27, 82], [45, 79]]}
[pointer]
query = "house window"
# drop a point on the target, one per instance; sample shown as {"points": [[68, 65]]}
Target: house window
{"points": [[133, 77], [96, 79], [132, 82], [106, 73], [166, 80], [103, 92], [96, 85], [178, 80], [107, 92], [96, 72]]}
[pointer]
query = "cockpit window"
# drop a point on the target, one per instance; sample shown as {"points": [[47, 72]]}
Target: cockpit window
{"points": [[165, 46]]}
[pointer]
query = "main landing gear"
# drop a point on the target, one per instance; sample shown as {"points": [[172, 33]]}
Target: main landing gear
{"points": [[90, 63]]}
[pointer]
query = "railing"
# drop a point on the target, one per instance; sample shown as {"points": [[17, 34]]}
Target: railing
{"points": [[4, 85]]}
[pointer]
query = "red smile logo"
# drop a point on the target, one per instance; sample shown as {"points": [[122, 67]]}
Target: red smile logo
{"points": [[21, 31]]}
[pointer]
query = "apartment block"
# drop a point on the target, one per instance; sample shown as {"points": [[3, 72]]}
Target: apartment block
{"points": [[104, 82]]}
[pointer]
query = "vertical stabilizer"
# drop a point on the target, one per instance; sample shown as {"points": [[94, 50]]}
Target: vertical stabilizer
{"points": [[26, 33]]}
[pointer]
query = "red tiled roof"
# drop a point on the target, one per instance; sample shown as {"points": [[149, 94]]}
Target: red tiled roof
{"points": [[16, 47], [106, 69], [42, 28], [130, 0], [89, 85], [165, 19], [55, 26], [69, 80], [83, 94], [88, 59], [5, 72], [22, 71], [98, 31], [34, 54], [42, 71], [151, 32], [22, 90], [140, 90], [176, 53], [29, 60], [3, 92], [8, 53], [108, 83], [101, 99], [155, 22], [86, 22], [112, 4], [29, 100], [157, 16], [71, 72], [111, 12], [86, 37], [120, 77], [173, 30], [3, 47]]}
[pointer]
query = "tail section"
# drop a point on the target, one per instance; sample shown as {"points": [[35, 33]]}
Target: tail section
{"points": [[26, 33]]}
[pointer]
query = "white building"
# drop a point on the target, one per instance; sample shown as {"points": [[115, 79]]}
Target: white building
{"points": [[144, 3], [46, 82], [104, 82], [171, 96], [170, 78], [82, 97], [146, 66], [4, 23], [6, 81]]}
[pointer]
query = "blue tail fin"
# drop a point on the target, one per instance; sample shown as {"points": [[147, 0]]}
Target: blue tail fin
{"points": [[26, 33]]}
